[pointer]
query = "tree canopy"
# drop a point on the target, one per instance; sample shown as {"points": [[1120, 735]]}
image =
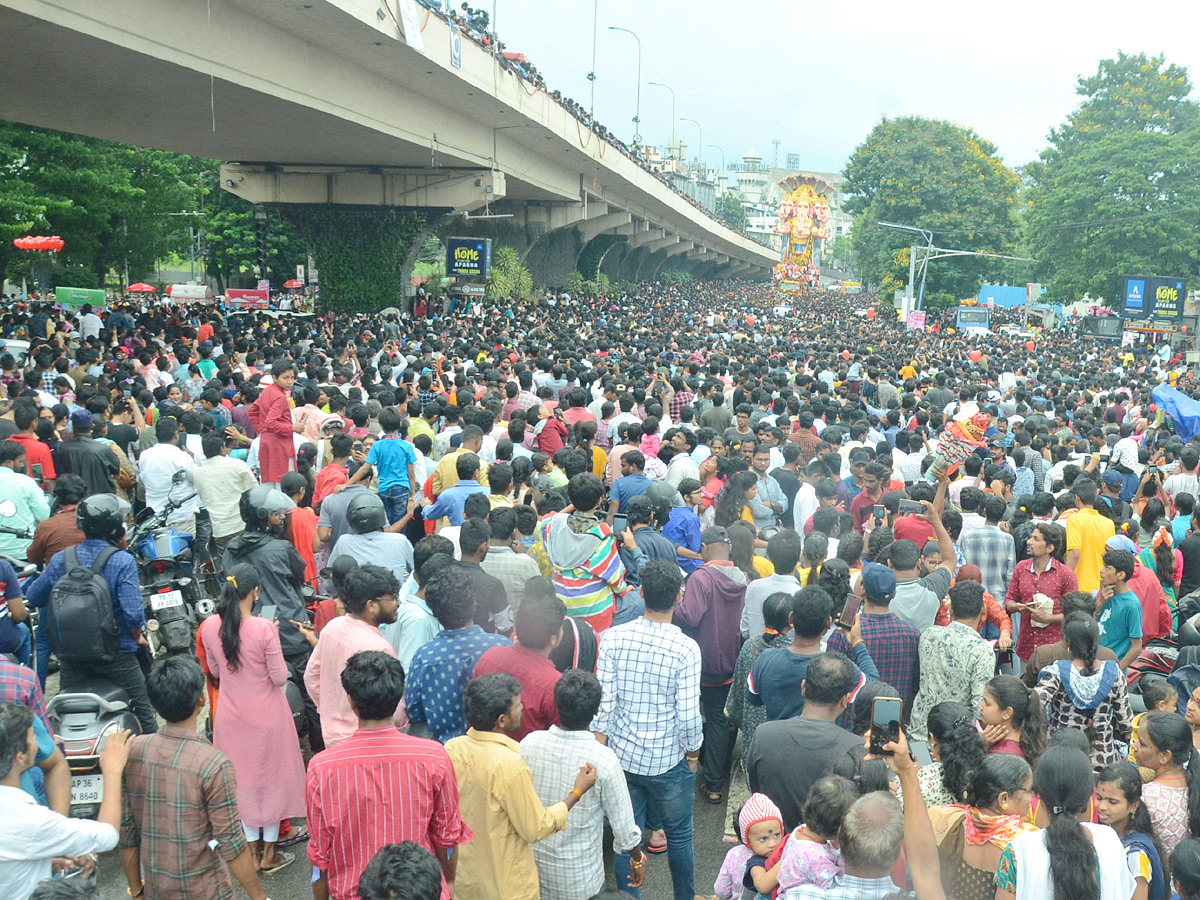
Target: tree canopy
{"points": [[934, 175], [1117, 192]]}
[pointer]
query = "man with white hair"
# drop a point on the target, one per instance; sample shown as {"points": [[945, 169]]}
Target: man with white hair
{"points": [[869, 839]]}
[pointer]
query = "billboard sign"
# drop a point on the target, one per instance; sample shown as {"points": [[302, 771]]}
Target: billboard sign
{"points": [[1133, 297], [1167, 296], [240, 299], [71, 296], [469, 258]]}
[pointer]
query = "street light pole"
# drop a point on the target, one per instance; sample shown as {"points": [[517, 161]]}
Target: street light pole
{"points": [[637, 110], [700, 147], [672, 90], [592, 74], [928, 235]]}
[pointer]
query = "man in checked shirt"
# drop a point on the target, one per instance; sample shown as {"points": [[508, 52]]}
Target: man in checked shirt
{"points": [[655, 733]]}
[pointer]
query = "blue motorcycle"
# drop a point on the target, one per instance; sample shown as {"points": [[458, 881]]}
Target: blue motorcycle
{"points": [[175, 601]]}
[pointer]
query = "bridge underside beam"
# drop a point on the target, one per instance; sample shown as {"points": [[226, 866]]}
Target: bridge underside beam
{"points": [[681, 247], [336, 186]]}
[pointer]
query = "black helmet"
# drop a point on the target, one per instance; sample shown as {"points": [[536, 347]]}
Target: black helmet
{"points": [[365, 513], [1189, 632], [260, 502], [102, 516]]}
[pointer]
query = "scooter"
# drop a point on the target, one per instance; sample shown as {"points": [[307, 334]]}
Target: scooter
{"points": [[26, 571], [82, 720], [174, 605]]}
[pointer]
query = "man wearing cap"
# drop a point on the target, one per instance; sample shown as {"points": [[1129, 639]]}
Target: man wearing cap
{"points": [[1112, 483], [892, 642], [711, 613], [86, 457]]}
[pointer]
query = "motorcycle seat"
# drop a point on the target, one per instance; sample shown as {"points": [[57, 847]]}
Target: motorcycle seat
{"points": [[85, 702]]}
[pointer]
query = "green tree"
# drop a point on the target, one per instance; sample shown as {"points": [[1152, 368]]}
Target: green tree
{"points": [[729, 208], [935, 175], [509, 279], [1118, 189], [231, 245], [111, 203]]}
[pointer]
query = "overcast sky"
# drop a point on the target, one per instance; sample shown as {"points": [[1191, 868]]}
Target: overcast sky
{"points": [[819, 76]]}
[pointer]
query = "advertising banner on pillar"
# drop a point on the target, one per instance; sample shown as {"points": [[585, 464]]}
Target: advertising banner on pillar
{"points": [[469, 258], [240, 299], [455, 46]]}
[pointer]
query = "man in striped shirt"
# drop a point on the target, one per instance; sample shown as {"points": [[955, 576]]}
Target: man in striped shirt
{"points": [[588, 572], [379, 770]]}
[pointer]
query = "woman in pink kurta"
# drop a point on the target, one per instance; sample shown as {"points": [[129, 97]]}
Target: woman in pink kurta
{"points": [[271, 416], [253, 724]]}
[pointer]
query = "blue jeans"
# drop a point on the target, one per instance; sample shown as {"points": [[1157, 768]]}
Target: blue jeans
{"points": [[395, 501], [24, 649], [670, 796]]}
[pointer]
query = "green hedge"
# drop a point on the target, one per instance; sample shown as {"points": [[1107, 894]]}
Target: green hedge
{"points": [[359, 252]]}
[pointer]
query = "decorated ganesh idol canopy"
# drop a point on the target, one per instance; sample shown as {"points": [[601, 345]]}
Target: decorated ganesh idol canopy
{"points": [[804, 218]]}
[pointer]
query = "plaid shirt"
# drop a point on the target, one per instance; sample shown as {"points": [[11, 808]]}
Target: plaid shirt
{"points": [[678, 402], [180, 794], [996, 555], [650, 708], [19, 686], [893, 645]]}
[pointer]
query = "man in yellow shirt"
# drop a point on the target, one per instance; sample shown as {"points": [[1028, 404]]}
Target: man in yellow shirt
{"points": [[1087, 530], [497, 798], [445, 476]]}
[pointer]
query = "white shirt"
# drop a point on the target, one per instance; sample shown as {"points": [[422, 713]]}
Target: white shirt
{"points": [[156, 466], [89, 325], [220, 482], [753, 621], [32, 835], [804, 505], [571, 863]]}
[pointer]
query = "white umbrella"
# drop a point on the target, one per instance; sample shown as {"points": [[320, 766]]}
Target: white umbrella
{"points": [[389, 311]]}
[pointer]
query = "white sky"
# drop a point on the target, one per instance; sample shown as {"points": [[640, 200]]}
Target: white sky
{"points": [[819, 76]]}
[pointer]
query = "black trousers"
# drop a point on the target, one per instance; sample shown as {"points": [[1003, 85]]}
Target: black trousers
{"points": [[125, 672], [296, 663], [719, 735]]}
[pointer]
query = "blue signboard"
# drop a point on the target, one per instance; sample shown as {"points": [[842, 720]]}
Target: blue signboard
{"points": [[469, 258], [1133, 298]]}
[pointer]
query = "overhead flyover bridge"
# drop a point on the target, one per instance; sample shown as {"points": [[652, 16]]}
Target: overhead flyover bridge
{"points": [[323, 103]]}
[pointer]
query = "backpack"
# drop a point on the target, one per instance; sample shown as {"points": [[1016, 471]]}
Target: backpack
{"points": [[83, 624]]}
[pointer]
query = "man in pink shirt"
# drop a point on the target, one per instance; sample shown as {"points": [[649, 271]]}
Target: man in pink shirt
{"points": [[371, 601]]}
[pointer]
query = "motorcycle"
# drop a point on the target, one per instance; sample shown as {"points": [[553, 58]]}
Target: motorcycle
{"points": [[175, 604], [26, 572], [82, 720]]}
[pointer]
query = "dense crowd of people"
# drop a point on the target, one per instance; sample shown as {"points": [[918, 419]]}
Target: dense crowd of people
{"points": [[589, 560]]}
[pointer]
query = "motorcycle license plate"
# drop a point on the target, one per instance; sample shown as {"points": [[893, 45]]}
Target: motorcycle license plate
{"points": [[86, 789], [166, 600]]}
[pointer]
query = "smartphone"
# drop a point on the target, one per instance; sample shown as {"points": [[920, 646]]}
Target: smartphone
{"points": [[879, 512], [128, 392], [885, 724], [911, 506], [36, 470], [849, 612], [358, 447], [268, 611], [1153, 471]]}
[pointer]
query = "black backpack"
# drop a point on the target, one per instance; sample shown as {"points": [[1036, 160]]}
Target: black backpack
{"points": [[83, 624]]}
